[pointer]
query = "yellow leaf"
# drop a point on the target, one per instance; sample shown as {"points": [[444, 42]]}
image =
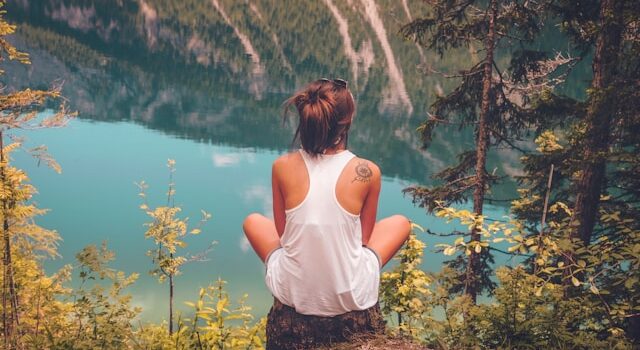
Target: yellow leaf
{"points": [[478, 248], [449, 250], [414, 225], [220, 305], [257, 340], [575, 281]]}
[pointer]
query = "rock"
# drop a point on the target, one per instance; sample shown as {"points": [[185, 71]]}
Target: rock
{"points": [[287, 329], [376, 342]]}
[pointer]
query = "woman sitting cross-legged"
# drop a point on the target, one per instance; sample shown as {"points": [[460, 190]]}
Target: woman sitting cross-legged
{"points": [[324, 249]]}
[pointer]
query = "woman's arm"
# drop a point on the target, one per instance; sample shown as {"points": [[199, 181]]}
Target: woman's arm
{"points": [[278, 200], [370, 206]]}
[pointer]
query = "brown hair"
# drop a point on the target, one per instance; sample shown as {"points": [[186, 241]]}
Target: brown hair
{"points": [[325, 108]]}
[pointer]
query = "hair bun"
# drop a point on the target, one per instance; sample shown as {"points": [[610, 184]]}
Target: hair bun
{"points": [[325, 115], [315, 95], [312, 97]]}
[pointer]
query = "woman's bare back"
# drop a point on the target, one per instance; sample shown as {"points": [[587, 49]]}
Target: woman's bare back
{"points": [[356, 191]]}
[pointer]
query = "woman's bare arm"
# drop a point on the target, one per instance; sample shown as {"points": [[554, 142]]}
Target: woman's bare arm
{"points": [[278, 200], [370, 206]]}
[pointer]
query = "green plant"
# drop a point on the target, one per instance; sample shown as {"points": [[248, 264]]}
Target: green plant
{"points": [[168, 231], [404, 289]]}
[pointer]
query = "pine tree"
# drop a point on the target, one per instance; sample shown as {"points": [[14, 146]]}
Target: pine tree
{"points": [[593, 144], [488, 99]]}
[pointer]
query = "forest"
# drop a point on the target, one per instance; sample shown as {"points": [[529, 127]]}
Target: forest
{"points": [[572, 236]]}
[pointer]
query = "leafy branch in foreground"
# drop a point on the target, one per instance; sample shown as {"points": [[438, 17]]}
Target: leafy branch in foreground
{"points": [[604, 275], [168, 232], [528, 308], [18, 110], [404, 289]]}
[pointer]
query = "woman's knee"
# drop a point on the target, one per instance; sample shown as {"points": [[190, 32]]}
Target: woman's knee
{"points": [[404, 225], [251, 221]]}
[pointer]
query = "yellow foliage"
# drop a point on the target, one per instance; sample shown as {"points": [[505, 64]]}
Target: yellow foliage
{"points": [[547, 142]]}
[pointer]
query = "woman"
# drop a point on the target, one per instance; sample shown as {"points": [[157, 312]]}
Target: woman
{"points": [[324, 250]]}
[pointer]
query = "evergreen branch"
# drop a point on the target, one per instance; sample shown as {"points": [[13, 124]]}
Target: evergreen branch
{"points": [[455, 182], [506, 35], [509, 253], [509, 200], [461, 74], [495, 220], [453, 233], [506, 140], [434, 118]]}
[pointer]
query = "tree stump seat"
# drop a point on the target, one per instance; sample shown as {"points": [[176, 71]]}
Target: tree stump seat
{"points": [[287, 329]]}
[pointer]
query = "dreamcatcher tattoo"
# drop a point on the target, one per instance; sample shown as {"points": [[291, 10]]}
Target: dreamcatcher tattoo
{"points": [[363, 172]]}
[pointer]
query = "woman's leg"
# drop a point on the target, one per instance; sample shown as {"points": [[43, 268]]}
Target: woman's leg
{"points": [[388, 236], [261, 233]]}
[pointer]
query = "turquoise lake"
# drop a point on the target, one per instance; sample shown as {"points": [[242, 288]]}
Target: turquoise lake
{"points": [[202, 82]]}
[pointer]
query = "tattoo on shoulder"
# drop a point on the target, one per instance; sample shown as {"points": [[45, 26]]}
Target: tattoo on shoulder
{"points": [[363, 172]]}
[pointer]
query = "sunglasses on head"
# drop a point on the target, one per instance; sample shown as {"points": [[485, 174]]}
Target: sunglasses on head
{"points": [[337, 82]]}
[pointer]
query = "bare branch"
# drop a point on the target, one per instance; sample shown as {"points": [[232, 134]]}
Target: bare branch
{"points": [[539, 79]]}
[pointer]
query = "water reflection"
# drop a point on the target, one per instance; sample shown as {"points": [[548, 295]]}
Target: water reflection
{"points": [[217, 70]]}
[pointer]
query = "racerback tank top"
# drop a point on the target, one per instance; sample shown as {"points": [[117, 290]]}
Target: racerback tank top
{"points": [[323, 269]]}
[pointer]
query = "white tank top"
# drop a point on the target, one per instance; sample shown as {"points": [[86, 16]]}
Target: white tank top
{"points": [[323, 269]]}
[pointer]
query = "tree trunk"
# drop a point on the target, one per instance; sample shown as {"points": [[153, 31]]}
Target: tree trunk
{"points": [[170, 304], [9, 294], [482, 143], [287, 329], [600, 114], [6, 325]]}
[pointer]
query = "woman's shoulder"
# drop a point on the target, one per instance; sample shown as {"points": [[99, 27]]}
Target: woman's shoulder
{"points": [[286, 160], [364, 169], [369, 163]]}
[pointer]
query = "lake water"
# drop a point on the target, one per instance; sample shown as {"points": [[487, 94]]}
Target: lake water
{"points": [[202, 82]]}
